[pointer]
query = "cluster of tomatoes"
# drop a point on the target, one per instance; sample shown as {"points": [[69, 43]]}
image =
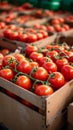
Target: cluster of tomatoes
{"points": [[41, 71], [54, 25], [27, 35]]}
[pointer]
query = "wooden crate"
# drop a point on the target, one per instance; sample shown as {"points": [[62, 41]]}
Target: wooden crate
{"points": [[48, 107], [12, 45]]}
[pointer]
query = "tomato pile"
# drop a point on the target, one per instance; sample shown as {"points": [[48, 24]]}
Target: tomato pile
{"points": [[41, 71]]}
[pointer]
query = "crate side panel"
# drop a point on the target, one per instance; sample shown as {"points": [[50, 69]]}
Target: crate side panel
{"points": [[70, 113], [58, 101], [25, 94], [16, 116]]}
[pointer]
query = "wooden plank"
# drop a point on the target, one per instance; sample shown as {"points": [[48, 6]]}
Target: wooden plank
{"points": [[58, 123], [70, 113], [6, 44], [58, 101], [25, 94], [17, 116]]}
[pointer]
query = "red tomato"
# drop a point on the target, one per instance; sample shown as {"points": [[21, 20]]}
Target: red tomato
{"points": [[45, 59], [55, 21], [7, 32], [9, 60], [39, 36], [23, 37], [70, 55], [66, 26], [67, 71], [13, 35], [52, 54], [35, 56], [24, 66], [61, 20], [32, 38], [12, 27], [2, 25], [0, 66], [19, 57], [50, 28], [50, 66], [57, 80], [43, 90], [7, 74], [43, 27], [34, 64], [40, 74], [45, 33], [24, 82], [61, 62], [29, 49], [5, 51]]}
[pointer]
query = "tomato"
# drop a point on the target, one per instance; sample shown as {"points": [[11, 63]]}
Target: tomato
{"points": [[19, 57], [13, 35], [24, 82], [50, 66], [66, 26], [1, 57], [57, 80], [9, 60], [45, 33], [69, 54], [30, 48], [50, 28], [2, 25], [61, 62], [7, 32], [35, 56], [12, 27], [24, 66], [23, 37], [34, 64], [43, 90], [61, 20], [40, 73], [44, 59], [55, 21], [67, 71], [26, 5], [7, 74], [39, 36], [43, 27], [57, 27], [32, 38], [37, 26], [5, 51], [52, 54]]}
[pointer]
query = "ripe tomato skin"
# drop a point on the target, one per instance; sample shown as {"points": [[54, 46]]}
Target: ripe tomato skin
{"points": [[52, 54], [7, 32], [22, 37], [61, 62], [31, 38], [57, 81], [35, 56], [19, 57], [50, 66], [44, 59], [5, 51], [6, 60], [7, 74], [24, 66], [29, 49], [43, 90], [40, 74], [67, 71], [24, 82], [34, 64]]}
